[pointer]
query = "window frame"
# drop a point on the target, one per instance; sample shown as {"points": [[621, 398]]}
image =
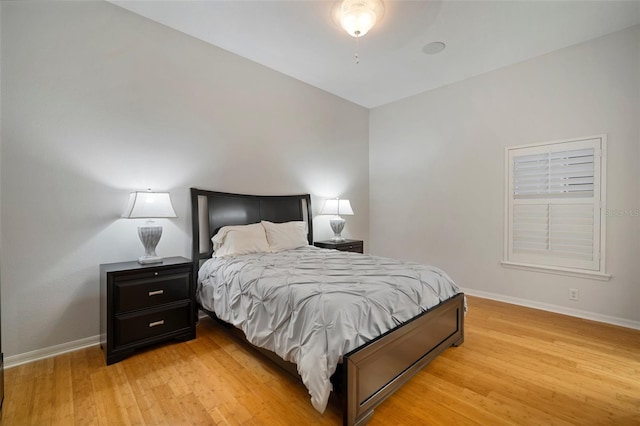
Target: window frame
{"points": [[598, 200]]}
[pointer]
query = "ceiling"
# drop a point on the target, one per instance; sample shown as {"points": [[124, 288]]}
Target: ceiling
{"points": [[300, 38]]}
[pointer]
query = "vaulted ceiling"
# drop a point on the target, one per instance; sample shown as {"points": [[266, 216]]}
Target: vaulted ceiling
{"points": [[302, 39]]}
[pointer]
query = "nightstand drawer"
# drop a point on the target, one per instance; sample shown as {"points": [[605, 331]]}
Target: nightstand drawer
{"points": [[356, 246], [132, 328], [144, 293]]}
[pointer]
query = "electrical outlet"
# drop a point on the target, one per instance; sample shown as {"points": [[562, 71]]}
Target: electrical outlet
{"points": [[573, 294]]}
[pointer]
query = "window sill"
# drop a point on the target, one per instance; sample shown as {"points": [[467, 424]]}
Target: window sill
{"points": [[592, 275]]}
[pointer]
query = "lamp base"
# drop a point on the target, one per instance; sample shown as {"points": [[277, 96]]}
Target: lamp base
{"points": [[337, 225], [150, 236], [143, 260]]}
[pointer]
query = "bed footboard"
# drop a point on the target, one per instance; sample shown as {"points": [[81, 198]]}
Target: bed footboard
{"points": [[375, 371]]}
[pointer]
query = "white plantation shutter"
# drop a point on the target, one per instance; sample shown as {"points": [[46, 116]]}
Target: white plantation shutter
{"points": [[564, 173], [554, 205]]}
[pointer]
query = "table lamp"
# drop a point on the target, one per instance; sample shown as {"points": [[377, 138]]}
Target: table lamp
{"points": [[337, 207], [149, 205]]}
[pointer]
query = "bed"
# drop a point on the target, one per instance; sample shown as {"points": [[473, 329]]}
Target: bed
{"points": [[368, 373]]}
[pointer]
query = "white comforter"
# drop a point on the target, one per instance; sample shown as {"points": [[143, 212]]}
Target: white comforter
{"points": [[311, 306]]}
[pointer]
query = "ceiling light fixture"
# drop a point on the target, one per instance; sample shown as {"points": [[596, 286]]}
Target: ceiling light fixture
{"points": [[357, 17]]}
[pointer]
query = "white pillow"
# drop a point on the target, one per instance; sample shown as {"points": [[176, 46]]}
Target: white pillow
{"points": [[286, 236], [240, 239]]}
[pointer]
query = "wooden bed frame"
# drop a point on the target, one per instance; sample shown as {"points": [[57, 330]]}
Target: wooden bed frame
{"points": [[370, 373]]}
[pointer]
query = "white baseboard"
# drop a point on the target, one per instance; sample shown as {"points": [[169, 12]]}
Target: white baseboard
{"points": [[51, 351], [622, 322]]}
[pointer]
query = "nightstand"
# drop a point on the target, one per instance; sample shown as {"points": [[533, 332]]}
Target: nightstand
{"points": [[145, 304], [356, 246]]}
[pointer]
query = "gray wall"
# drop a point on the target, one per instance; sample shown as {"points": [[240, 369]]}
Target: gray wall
{"points": [[97, 102], [2, 390], [437, 170]]}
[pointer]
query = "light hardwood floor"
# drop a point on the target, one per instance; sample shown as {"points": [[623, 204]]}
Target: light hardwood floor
{"points": [[517, 366]]}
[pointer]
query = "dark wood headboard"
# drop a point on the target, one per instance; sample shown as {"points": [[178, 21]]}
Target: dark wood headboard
{"points": [[211, 210]]}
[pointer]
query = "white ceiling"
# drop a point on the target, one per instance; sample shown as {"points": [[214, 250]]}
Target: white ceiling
{"points": [[300, 38]]}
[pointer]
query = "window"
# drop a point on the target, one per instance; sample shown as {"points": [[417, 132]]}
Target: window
{"points": [[554, 206]]}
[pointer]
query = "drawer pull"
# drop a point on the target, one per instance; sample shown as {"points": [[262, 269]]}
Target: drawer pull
{"points": [[156, 293], [153, 324]]}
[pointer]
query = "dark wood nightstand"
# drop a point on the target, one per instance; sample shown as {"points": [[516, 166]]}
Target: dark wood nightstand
{"points": [[356, 246], [145, 304]]}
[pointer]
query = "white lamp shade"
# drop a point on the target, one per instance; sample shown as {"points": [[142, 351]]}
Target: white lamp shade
{"points": [[357, 17], [149, 205], [337, 207]]}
